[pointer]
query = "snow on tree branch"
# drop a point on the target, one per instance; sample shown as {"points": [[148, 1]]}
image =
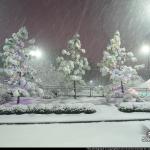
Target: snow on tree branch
{"points": [[114, 62], [15, 57], [72, 63]]}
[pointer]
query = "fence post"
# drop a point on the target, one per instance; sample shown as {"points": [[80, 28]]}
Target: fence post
{"points": [[146, 91], [67, 90], [90, 91]]}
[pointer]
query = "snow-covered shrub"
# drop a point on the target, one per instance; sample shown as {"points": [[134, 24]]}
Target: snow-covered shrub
{"points": [[74, 108], [126, 107], [134, 107], [59, 109], [41, 109], [130, 96], [19, 109], [47, 109], [6, 110], [88, 108], [32, 108]]}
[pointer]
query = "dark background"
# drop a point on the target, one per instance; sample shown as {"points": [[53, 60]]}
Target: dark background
{"points": [[53, 22]]}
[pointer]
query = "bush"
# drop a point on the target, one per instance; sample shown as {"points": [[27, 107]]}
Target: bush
{"points": [[131, 97], [48, 109], [134, 107]]}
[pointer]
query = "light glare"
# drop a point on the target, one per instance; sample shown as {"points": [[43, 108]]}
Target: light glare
{"points": [[36, 53], [91, 81], [145, 49]]}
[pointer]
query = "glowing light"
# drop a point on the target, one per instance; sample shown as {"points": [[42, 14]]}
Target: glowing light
{"points": [[36, 53], [145, 49], [91, 81]]}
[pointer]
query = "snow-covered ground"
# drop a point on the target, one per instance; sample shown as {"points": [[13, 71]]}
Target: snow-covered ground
{"points": [[102, 134], [104, 112], [93, 100], [124, 134]]}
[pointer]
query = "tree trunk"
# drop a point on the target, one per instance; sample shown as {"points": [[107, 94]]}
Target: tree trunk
{"points": [[122, 88], [90, 91], [18, 99], [75, 92]]}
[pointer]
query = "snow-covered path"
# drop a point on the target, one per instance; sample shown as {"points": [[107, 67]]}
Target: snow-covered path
{"points": [[124, 134]]}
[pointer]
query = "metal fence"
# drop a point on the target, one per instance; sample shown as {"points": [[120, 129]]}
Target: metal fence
{"points": [[142, 91], [87, 91], [81, 91]]}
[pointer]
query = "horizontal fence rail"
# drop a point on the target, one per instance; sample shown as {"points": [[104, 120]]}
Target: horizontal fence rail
{"points": [[142, 91], [81, 91], [89, 91]]}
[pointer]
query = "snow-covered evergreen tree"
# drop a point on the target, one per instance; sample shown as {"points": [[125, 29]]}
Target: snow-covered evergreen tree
{"points": [[72, 64], [20, 76], [117, 61]]}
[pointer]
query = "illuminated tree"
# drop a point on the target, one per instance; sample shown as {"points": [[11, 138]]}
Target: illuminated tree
{"points": [[116, 63], [72, 64], [20, 76]]}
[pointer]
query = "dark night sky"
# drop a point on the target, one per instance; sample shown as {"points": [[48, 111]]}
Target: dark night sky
{"points": [[53, 22]]}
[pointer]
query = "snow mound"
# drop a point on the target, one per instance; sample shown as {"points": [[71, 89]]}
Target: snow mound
{"points": [[134, 107]]}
